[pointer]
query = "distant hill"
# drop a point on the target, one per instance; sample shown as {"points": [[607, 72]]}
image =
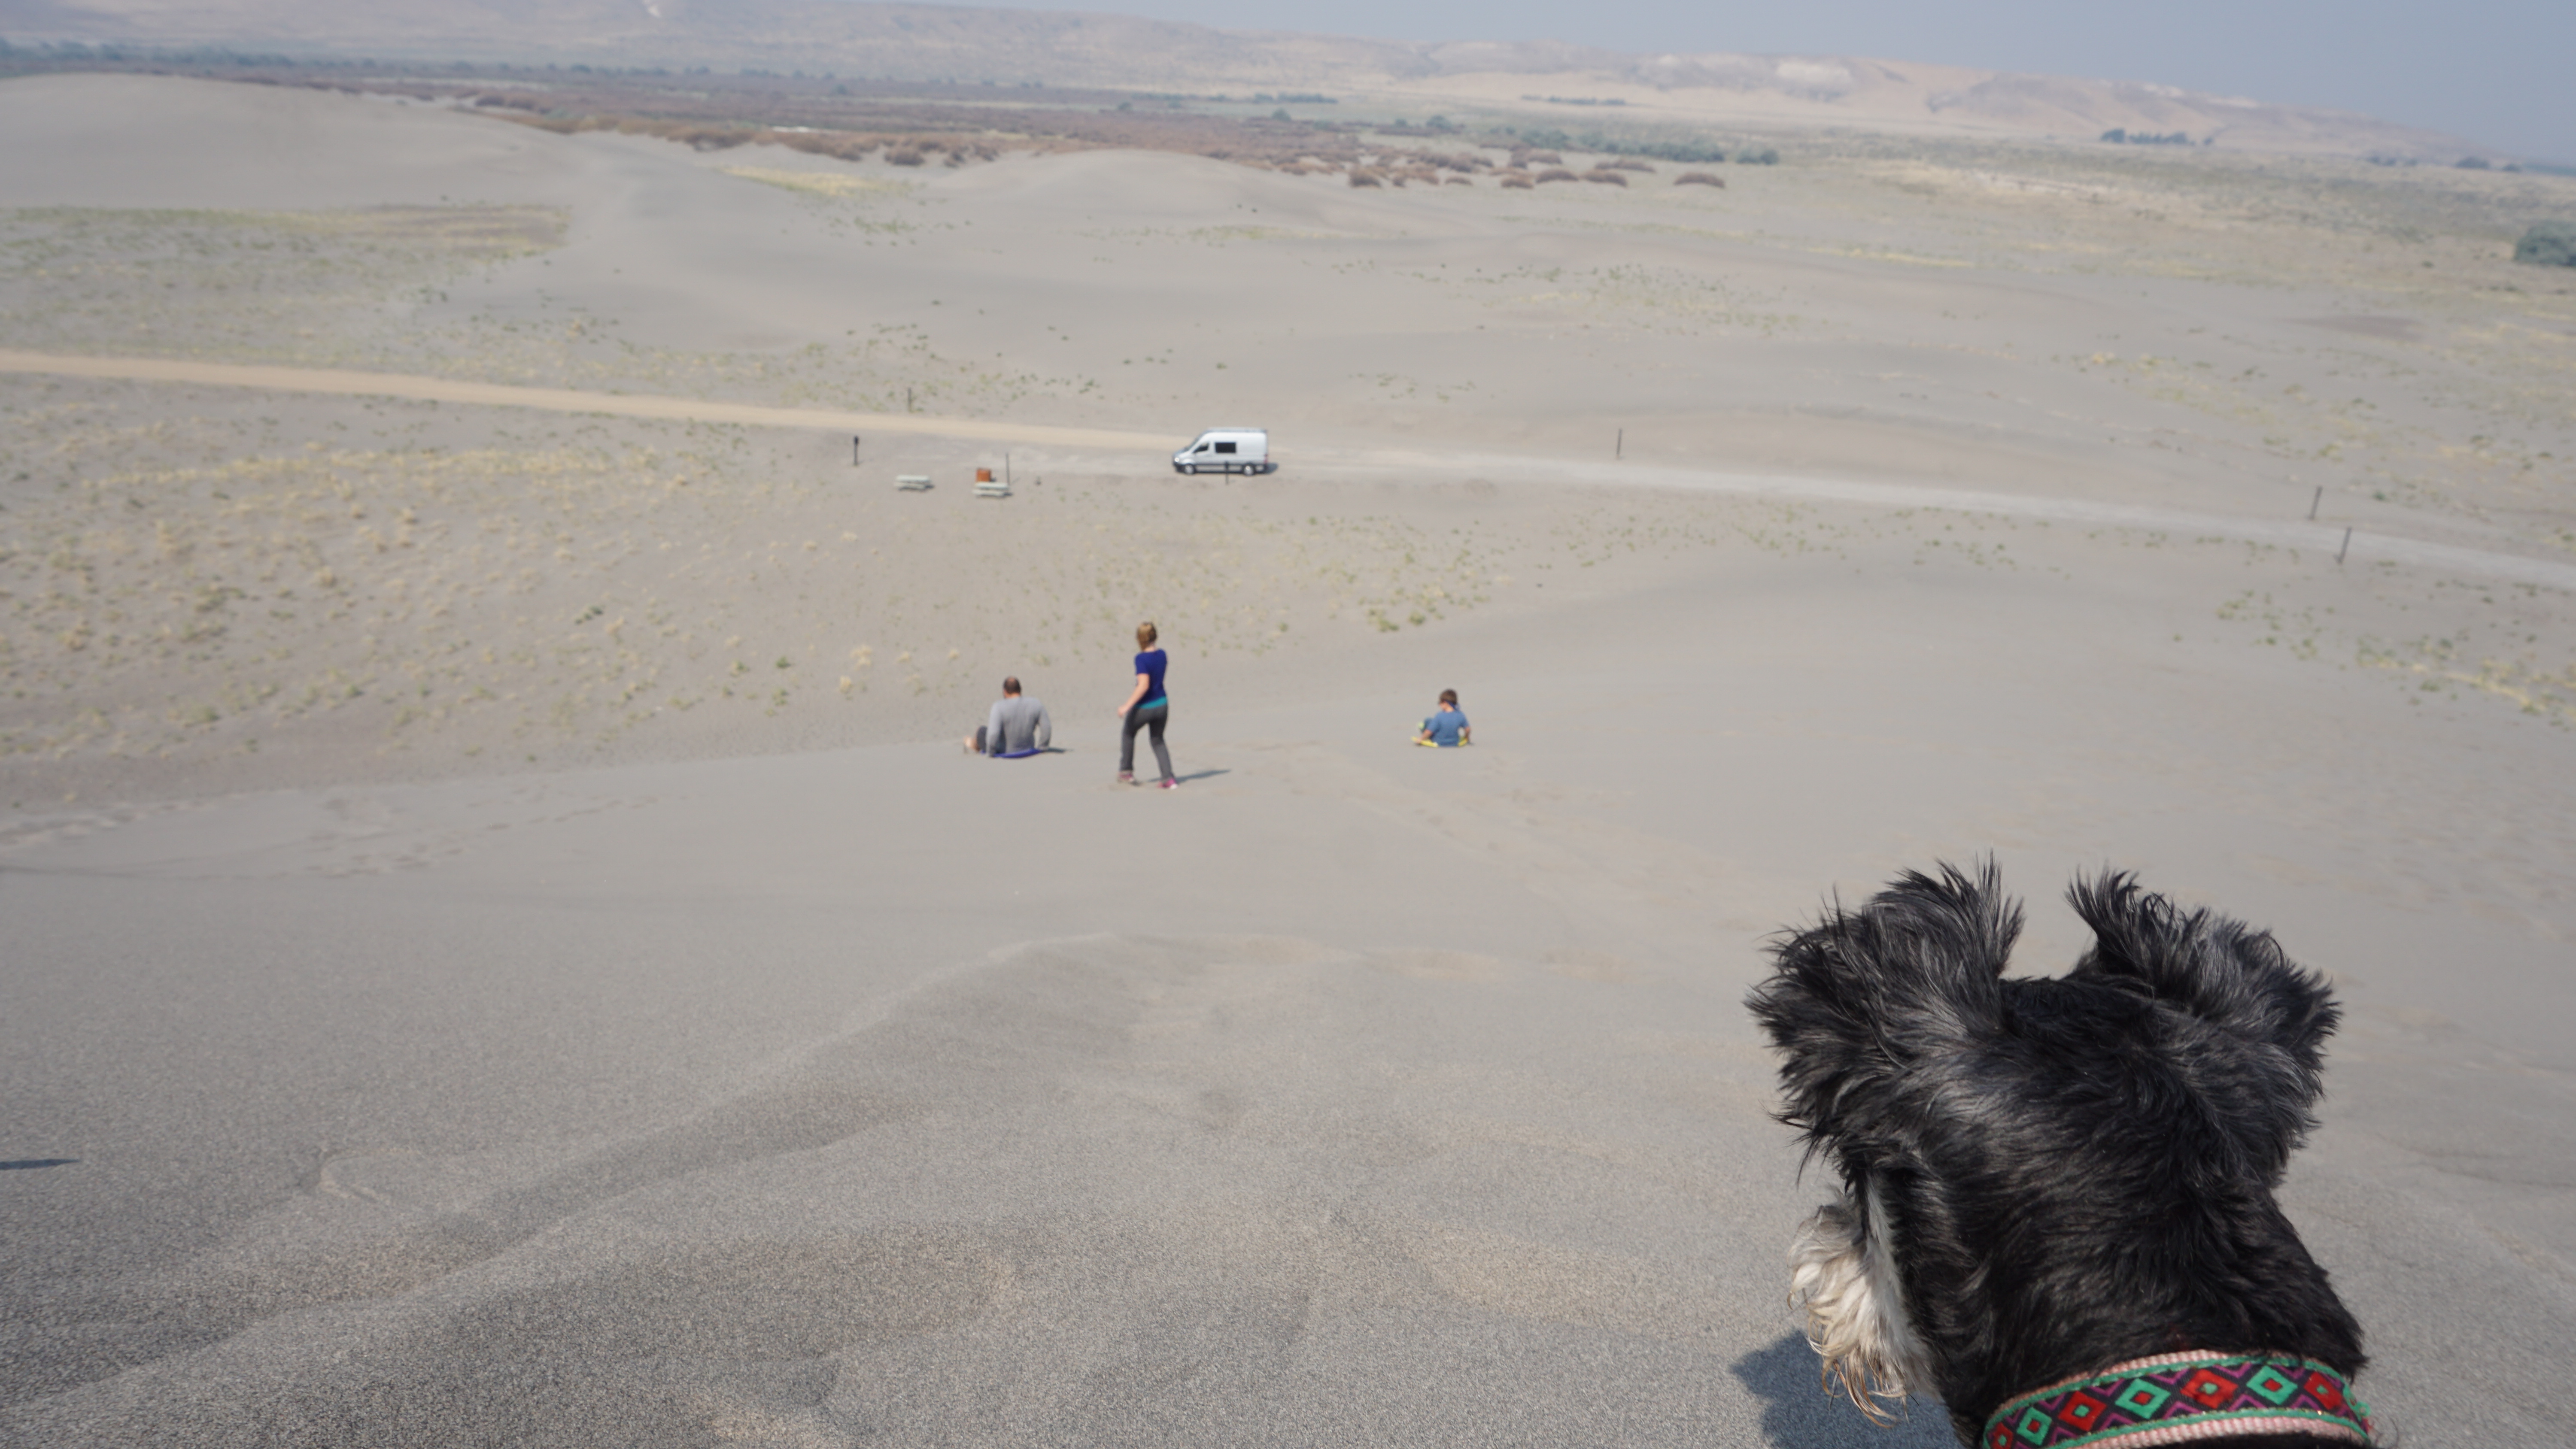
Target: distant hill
{"points": [[1066, 48]]}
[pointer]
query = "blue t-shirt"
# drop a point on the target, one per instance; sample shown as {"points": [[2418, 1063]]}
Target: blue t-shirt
{"points": [[1151, 664], [1445, 727]]}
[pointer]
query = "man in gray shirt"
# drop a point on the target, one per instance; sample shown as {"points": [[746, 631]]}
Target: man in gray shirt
{"points": [[1016, 726]]}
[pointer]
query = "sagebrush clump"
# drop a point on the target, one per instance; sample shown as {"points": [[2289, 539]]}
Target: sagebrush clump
{"points": [[2548, 243]]}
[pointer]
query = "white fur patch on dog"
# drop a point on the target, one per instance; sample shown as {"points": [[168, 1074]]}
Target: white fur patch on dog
{"points": [[1841, 1273]]}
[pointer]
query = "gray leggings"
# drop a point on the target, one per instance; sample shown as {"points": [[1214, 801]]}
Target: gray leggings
{"points": [[1151, 718]]}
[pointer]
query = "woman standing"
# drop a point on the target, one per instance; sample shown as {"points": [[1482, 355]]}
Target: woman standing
{"points": [[1147, 708]]}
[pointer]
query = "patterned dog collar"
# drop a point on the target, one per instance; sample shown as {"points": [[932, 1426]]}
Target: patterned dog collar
{"points": [[2179, 1397]]}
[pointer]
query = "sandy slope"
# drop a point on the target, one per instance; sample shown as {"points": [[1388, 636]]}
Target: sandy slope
{"points": [[521, 960]]}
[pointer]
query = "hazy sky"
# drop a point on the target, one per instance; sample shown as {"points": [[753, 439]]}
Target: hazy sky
{"points": [[2498, 71]]}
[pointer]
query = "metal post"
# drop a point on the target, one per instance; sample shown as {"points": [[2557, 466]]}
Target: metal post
{"points": [[1006, 468], [1620, 448], [2313, 502], [2347, 543], [854, 450]]}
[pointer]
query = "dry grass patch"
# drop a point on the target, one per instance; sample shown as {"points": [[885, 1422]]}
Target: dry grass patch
{"points": [[300, 286], [834, 184]]}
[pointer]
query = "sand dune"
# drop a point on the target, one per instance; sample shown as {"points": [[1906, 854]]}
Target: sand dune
{"points": [[502, 945]]}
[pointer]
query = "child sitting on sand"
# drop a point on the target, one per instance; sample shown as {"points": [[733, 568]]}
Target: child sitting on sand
{"points": [[1448, 729]]}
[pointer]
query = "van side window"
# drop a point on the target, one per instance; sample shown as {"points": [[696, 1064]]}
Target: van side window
{"points": [[1225, 447]]}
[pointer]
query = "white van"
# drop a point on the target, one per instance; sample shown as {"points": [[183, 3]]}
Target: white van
{"points": [[1226, 450]]}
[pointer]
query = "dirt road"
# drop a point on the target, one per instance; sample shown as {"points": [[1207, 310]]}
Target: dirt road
{"points": [[2371, 545], [344, 383]]}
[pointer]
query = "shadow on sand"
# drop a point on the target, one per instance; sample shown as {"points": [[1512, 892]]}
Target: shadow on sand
{"points": [[1797, 1413]]}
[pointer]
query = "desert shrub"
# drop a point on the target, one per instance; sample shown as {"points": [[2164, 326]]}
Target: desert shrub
{"points": [[1544, 158], [824, 143], [1682, 152], [1516, 180], [902, 156], [1606, 178], [1629, 163], [1764, 157], [1460, 181], [2548, 243], [1700, 178], [1363, 177], [2472, 163], [1556, 173]]}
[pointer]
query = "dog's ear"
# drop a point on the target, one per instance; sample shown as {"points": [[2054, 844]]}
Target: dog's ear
{"points": [[1861, 995], [2218, 969]]}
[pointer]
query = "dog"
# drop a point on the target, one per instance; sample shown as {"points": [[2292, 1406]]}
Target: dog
{"points": [[2057, 1212]]}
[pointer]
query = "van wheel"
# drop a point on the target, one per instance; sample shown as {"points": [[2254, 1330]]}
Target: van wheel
{"points": [[1190, 468]]}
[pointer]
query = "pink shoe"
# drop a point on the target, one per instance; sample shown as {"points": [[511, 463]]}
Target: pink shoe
{"points": [[1126, 777], [1171, 784]]}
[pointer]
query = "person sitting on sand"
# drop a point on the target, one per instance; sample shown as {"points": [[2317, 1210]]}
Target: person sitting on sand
{"points": [[1015, 727], [1449, 728]]}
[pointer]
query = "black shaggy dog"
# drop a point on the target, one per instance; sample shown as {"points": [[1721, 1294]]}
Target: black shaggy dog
{"points": [[2057, 1203]]}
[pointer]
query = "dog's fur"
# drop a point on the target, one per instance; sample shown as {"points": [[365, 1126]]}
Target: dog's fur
{"points": [[2043, 1178]]}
